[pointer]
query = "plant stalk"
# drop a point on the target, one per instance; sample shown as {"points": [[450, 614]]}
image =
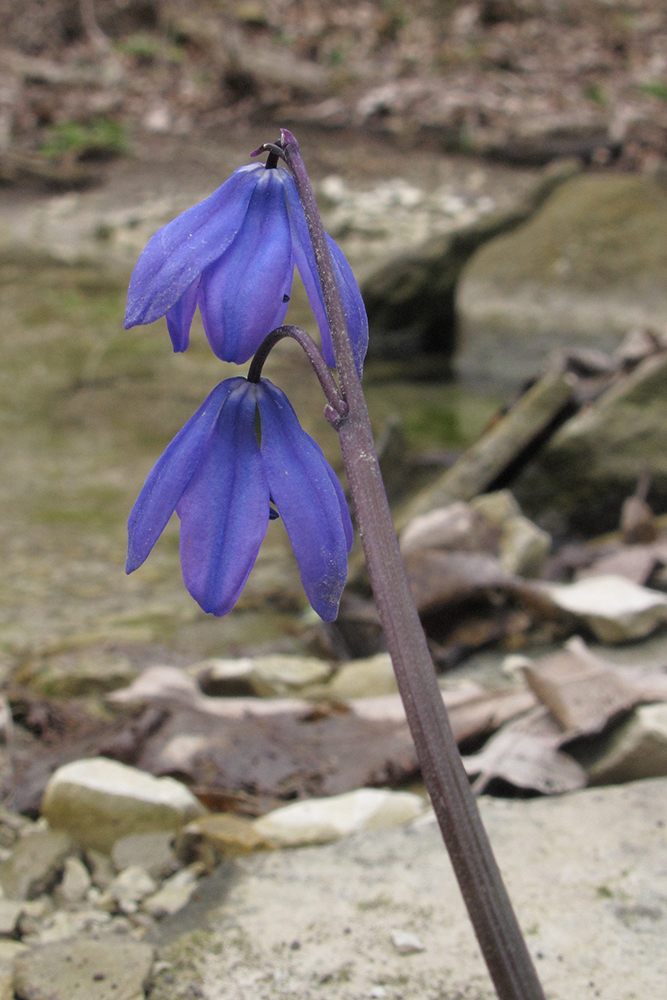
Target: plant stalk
{"points": [[495, 924]]}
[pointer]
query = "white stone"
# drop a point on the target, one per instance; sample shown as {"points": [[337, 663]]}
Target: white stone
{"points": [[76, 881], [445, 527], [615, 608], [98, 801], [130, 887], [175, 893], [10, 912], [364, 678], [318, 821], [265, 676], [523, 547], [406, 943], [637, 750]]}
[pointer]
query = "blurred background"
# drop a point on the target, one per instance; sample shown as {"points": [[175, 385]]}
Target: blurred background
{"points": [[495, 172]]}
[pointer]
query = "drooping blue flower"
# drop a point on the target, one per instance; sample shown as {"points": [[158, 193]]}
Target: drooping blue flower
{"points": [[233, 255], [221, 482]]}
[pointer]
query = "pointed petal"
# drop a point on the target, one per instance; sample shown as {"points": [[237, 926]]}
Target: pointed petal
{"points": [[245, 294], [353, 303], [179, 317], [300, 480], [178, 253], [170, 476], [225, 509]]}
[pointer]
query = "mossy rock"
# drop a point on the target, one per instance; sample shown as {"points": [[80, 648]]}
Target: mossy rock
{"points": [[589, 265], [593, 462]]}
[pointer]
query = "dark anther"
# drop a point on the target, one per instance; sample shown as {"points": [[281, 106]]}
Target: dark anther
{"points": [[273, 514], [275, 151], [285, 297]]}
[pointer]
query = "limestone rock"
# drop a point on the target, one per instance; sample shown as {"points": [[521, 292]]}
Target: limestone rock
{"points": [[218, 836], [76, 881], [265, 676], [35, 864], [8, 952], [130, 887], [589, 265], [174, 894], [364, 678], [406, 943], [615, 608], [98, 801], [152, 851], [585, 873], [523, 547], [591, 464], [10, 912], [638, 749], [84, 970], [318, 821]]}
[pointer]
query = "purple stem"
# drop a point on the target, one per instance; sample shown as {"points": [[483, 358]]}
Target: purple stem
{"points": [[490, 909]]}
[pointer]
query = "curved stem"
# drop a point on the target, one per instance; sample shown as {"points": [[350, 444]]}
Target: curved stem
{"points": [[334, 399], [490, 909]]}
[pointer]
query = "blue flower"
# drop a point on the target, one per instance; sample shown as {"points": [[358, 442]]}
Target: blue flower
{"points": [[222, 482], [233, 255]]}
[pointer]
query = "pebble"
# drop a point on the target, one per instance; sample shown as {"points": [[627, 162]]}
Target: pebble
{"points": [[171, 898], [98, 801], [264, 676], [130, 887], [84, 970], [152, 851], [10, 912], [76, 881], [364, 678], [35, 864], [318, 821], [406, 943], [218, 836], [638, 749]]}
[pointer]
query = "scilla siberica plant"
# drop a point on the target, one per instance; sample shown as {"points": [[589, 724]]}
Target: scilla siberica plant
{"points": [[233, 256]]}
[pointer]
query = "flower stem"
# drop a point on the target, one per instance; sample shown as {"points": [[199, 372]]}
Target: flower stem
{"points": [[490, 909]]}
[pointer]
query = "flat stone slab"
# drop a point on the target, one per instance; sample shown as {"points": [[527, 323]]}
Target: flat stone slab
{"points": [[84, 970], [586, 873]]}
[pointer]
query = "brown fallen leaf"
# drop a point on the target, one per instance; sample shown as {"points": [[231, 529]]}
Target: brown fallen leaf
{"points": [[526, 753], [582, 691], [635, 562]]}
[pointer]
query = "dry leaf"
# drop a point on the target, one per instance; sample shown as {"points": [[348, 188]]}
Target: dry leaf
{"points": [[526, 754]]}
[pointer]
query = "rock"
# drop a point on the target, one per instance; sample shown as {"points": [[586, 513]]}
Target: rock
{"points": [[318, 821], [64, 925], [152, 851], [638, 749], [363, 678], [406, 943], [585, 873], [410, 300], [457, 527], [174, 894], [497, 507], [84, 970], [10, 912], [8, 952], [523, 547], [76, 881], [265, 676], [587, 266], [72, 675], [99, 801], [130, 887], [35, 864], [101, 869], [581, 478], [616, 609], [220, 835]]}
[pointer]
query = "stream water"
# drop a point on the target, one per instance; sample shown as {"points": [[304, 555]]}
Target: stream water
{"points": [[87, 408]]}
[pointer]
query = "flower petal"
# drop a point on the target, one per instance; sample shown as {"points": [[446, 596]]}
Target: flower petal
{"points": [[170, 476], [300, 480], [178, 253], [179, 317], [353, 303], [225, 509], [245, 294]]}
